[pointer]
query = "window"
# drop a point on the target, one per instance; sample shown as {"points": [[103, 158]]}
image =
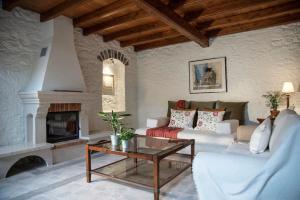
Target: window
{"points": [[113, 86]]}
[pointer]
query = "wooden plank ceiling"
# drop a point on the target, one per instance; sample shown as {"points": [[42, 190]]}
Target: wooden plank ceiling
{"points": [[146, 24]]}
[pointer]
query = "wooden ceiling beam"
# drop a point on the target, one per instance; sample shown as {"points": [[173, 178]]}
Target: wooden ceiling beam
{"points": [[59, 9], [272, 12], [276, 21], [160, 43], [237, 7], [134, 31], [103, 12], [115, 22], [149, 38], [196, 13], [168, 16], [10, 4]]}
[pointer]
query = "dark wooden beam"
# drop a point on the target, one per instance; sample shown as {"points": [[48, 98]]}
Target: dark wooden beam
{"points": [[149, 38], [168, 16], [10, 4], [135, 31], [268, 13], [293, 17], [160, 43], [115, 22], [237, 7], [174, 4], [59, 9], [256, 16], [103, 12]]}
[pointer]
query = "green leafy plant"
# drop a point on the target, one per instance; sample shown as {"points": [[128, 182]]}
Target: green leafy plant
{"points": [[273, 99], [114, 119], [126, 133]]}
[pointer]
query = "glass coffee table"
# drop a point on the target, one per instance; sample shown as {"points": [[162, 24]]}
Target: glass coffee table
{"points": [[147, 161]]}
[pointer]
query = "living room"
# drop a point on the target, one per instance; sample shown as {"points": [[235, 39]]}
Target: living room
{"points": [[159, 66]]}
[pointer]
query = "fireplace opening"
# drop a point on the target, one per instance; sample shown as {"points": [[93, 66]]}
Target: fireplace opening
{"points": [[62, 126]]}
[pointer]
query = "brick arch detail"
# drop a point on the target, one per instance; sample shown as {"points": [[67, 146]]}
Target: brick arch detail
{"points": [[110, 53]]}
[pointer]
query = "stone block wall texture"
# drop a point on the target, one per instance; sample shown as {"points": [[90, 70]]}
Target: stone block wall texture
{"points": [[20, 35], [257, 61]]}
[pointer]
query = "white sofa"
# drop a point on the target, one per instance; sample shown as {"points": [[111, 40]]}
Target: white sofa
{"points": [[237, 174], [205, 140]]}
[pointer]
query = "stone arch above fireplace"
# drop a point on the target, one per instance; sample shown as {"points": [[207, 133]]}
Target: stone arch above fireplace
{"points": [[110, 53]]}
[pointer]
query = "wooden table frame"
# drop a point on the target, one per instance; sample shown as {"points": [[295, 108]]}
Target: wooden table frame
{"points": [[155, 158]]}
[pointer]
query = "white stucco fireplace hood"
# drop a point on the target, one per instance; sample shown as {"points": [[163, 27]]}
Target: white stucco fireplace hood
{"points": [[56, 78]]}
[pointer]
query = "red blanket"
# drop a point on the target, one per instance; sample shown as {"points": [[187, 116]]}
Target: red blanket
{"points": [[166, 132]]}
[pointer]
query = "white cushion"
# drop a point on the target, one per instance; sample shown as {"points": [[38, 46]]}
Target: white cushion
{"points": [[206, 136], [243, 149], [261, 136], [157, 122], [227, 126], [182, 118], [207, 120], [278, 125]]}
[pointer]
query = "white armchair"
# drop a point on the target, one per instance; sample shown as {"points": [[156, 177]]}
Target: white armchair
{"points": [[233, 176]]}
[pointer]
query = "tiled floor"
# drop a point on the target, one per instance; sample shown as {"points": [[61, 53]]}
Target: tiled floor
{"points": [[67, 181]]}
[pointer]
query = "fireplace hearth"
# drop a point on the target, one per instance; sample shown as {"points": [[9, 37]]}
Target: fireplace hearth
{"points": [[62, 126]]}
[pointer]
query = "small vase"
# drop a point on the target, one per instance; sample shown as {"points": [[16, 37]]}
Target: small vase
{"points": [[114, 140], [274, 113], [125, 145]]}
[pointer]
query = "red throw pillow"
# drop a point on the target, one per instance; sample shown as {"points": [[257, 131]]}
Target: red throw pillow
{"points": [[180, 104]]}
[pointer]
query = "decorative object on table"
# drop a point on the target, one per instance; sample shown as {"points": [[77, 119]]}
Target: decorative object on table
{"points": [[125, 135], [287, 89], [115, 121], [208, 75], [273, 100]]}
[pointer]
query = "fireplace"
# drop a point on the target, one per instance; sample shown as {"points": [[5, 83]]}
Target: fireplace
{"points": [[62, 126]]}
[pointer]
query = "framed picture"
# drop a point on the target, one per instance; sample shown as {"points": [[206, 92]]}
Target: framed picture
{"points": [[108, 87], [208, 75]]}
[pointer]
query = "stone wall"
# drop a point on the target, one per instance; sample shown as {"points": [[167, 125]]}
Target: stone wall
{"points": [[20, 34], [257, 61]]}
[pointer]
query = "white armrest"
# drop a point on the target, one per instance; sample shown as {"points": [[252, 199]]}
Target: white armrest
{"points": [[227, 126], [157, 122]]}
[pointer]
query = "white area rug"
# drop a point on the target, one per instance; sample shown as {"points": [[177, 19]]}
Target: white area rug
{"points": [[67, 181]]}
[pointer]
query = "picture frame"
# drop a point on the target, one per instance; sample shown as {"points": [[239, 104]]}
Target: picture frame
{"points": [[208, 75], [108, 87]]}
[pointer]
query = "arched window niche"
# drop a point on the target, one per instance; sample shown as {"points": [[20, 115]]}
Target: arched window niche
{"points": [[113, 85]]}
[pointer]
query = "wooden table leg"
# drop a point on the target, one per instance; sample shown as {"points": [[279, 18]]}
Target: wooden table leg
{"points": [[88, 163], [156, 178], [192, 153]]}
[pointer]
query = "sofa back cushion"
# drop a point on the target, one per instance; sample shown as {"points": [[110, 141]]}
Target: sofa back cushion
{"points": [[207, 120], [172, 105], [236, 109], [279, 127], [182, 118]]}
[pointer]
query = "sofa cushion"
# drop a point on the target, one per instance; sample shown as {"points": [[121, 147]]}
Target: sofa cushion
{"points": [[200, 105], [182, 118], [206, 136], [237, 109], [283, 121], [261, 137], [207, 120], [243, 149], [172, 105]]}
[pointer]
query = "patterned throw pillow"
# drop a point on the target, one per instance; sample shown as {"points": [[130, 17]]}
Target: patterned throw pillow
{"points": [[207, 120], [182, 118]]}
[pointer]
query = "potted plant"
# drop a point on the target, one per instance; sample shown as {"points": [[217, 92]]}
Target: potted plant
{"points": [[273, 100], [115, 121], [125, 136]]}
